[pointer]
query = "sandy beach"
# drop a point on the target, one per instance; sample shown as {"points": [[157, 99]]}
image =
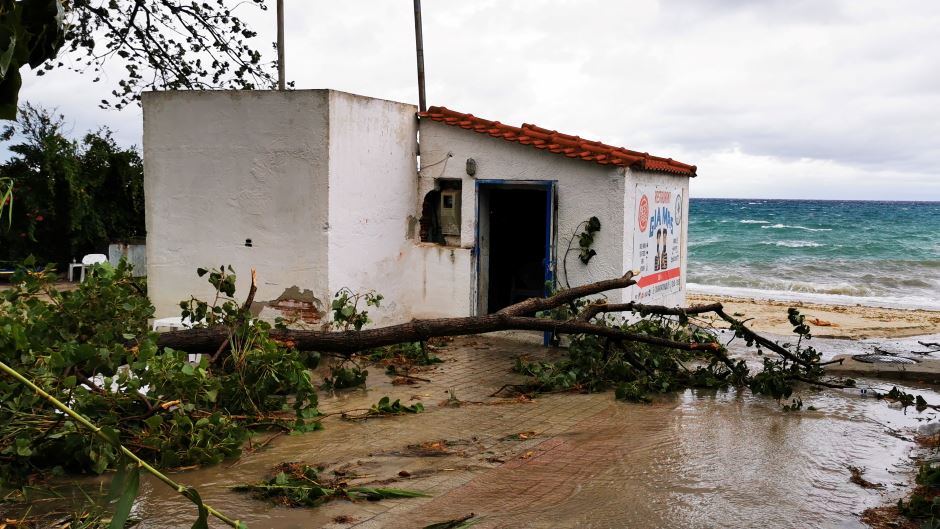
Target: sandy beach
{"points": [[829, 321]]}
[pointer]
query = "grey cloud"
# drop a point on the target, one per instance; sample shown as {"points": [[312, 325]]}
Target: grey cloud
{"points": [[850, 84]]}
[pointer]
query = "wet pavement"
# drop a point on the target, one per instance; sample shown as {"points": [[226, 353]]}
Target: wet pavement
{"points": [[691, 459]]}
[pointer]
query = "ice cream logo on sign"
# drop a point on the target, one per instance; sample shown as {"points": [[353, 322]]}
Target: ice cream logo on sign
{"points": [[643, 213]]}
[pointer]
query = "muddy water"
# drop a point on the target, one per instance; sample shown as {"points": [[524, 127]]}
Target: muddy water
{"points": [[694, 459], [726, 460]]}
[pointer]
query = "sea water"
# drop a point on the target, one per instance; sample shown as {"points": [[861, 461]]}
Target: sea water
{"points": [[844, 252]]}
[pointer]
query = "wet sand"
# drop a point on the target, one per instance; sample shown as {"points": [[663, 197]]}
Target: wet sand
{"points": [[828, 321]]}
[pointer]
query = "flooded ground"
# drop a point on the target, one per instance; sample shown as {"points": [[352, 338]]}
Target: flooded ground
{"points": [[693, 459]]}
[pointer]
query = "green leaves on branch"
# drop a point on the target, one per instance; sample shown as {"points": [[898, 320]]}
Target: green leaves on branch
{"points": [[92, 347], [31, 32], [123, 491], [128, 478], [342, 377], [586, 239], [168, 45], [634, 369], [346, 311], [385, 407], [407, 354], [638, 370], [300, 485], [906, 399], [6, 200]]}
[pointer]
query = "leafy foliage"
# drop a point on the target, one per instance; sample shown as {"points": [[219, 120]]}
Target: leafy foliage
{"points": [[924, 503], [635, 370], [31, 32], [259, 374], [92, 349], [300, 485], [346, 311], [72, 197], [223, 307], [342, 377], [167, 45], [586, 239], [408, 353], [6, 199], [385, 406], [906, 399]]}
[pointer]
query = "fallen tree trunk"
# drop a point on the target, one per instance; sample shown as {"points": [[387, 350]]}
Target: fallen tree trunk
{"points": [[519, 316], [211, 340], [208, 340]]}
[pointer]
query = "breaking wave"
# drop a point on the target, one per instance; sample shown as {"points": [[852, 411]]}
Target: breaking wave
{"points": [[827, 298], [872, 253], [787, 226], [794, 244]]}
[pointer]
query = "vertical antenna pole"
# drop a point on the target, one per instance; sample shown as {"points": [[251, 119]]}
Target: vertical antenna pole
{"points": [[281, 82], [419, 48]]}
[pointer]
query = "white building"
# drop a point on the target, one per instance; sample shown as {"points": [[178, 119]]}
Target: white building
{"points": [[319, 190]]}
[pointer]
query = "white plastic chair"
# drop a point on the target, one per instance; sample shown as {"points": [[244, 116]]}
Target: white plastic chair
{"points": [[91, 260], [174, 323]]}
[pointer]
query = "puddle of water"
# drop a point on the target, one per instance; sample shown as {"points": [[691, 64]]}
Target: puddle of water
{"points": [[729, 460], [700, 459], [694, 459]]}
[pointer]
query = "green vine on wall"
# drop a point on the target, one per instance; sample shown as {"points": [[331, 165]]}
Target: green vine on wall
{"points": [[586, 239]]}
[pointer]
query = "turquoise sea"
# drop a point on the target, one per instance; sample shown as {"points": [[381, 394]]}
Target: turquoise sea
{"points": [[854, 252]]}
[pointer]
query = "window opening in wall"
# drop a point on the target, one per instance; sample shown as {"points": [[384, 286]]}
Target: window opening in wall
{"points": [[430, 224], [440, 214]]}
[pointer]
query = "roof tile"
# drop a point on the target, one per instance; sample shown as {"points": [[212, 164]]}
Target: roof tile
{"points": [[556, 142]]}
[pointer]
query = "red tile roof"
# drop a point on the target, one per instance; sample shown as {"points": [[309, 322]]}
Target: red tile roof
{"points": [[556, 142]]}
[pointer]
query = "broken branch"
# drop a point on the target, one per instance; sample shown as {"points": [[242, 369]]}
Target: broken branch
{"points": [[245, 308]]}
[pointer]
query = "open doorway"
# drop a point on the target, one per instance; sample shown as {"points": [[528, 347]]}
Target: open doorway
{"points": [[514, 242]]}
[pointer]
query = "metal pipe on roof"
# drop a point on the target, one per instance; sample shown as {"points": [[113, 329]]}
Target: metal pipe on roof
{"points": [[281, 74], [419, 48]]}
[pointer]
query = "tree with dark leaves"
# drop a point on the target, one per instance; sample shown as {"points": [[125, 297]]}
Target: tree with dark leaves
{"points": [[167, 44], [72, 196], [162, 44], [31, 33]]}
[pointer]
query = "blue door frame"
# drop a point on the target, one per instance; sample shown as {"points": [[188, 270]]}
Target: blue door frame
{"points": [[549, 186]]}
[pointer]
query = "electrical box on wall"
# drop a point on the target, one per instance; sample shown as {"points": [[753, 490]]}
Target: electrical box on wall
{"points": [[450, 212]]}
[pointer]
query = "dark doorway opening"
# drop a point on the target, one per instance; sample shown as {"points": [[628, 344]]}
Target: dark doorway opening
{"points": [[517, 245]]}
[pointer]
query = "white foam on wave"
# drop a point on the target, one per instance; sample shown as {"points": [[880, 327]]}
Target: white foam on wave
{"points": [[749, 221], [787, 226], [907, 302], [794, 244]]}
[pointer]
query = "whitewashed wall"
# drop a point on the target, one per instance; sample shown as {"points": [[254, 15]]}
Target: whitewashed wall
{"points": [[373, 182], [441, 281], [224, 166]]}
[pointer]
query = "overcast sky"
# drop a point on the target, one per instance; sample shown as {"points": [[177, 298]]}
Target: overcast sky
{"points": [[770, 99]]}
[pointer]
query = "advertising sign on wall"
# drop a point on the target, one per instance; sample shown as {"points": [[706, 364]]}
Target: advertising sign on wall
{"points": [[657, 243]]}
